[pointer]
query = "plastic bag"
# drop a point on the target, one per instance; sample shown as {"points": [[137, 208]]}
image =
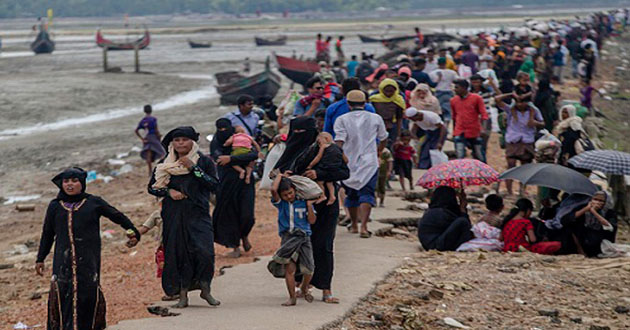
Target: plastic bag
{"points": [[287, 105], [270, 162], [437, 157], [305, 188], [547, 140]]}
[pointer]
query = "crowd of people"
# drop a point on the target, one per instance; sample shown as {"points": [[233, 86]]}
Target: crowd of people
{"points": [[358, 123]]}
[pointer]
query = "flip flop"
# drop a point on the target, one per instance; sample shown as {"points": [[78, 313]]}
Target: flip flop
{"points": [[367, 234], [309, 297], [330, 299]]}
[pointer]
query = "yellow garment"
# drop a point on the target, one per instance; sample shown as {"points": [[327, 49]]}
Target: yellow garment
{"points": [[381, 98], [170, 166], [450, 64]]}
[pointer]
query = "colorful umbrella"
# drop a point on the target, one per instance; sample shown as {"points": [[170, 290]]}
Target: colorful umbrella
{"points": [[606, 161], [459, 174]]}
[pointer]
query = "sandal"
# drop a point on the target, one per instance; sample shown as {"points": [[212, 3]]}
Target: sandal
{"points": [[366, 234], [352, 231], [330, 299], [309, 297]]}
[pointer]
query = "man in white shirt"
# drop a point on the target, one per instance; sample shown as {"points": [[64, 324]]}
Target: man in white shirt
{"points": [[444, 91], [431, 61], [432, 126], [357, 132]]}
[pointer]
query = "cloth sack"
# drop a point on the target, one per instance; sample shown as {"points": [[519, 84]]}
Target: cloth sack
{"points": [[486, 238], [305, 188], [437, 157], [270, 162]]}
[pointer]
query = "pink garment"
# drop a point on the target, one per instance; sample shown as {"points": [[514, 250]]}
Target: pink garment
{"points": [[241, 140]]}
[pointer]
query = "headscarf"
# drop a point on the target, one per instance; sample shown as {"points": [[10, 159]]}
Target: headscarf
{"points": [[381, 98], [182, 131], [574, 122], [382, 68], [429, 102], [445, 198], [170, 166], [220, 136], [590, 221], [73, 172], [297, 143]]}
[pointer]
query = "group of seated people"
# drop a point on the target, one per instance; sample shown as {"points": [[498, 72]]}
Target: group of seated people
{"points": [[577, 224]]}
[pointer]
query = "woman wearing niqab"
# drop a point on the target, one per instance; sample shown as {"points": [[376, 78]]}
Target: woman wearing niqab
{"points": [[72, 223], [444, 226], [184, 180]]}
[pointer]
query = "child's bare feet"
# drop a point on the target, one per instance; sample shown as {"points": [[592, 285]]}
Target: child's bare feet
{"points": [[331, 200], [320, 199], [307, 294], [290, 302]]}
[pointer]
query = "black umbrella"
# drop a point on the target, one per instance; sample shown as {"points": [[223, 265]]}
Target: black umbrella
{"points": [[551, 176]]}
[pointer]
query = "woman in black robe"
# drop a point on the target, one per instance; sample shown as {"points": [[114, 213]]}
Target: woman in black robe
{"points": [[234, 211], [445, 225], [184, 180], [302, 137], [589, 225], [72, 223]]}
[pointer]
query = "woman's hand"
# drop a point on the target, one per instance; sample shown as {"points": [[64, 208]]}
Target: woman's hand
{"points": [[186, 162], [176, 195], [39, 268], [224, 160], [463, 202], [311, 174]]}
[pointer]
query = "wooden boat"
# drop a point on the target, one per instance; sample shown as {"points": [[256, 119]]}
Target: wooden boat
{"points": [[278, 41], [194, 44], [43, 44], [232, 85], [296, 70], [141, 43], [368, 39]]}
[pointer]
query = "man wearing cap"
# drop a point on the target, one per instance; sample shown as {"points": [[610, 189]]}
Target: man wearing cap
{"points": [[404, 76], [314, 101], [444, 79], [432, 126], [357, 132]]}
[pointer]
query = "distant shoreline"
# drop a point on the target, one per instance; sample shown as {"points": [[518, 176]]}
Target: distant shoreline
{"points": [[432, 19]]}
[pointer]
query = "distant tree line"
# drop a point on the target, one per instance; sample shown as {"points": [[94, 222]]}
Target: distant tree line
{"points": [[72, 8]]}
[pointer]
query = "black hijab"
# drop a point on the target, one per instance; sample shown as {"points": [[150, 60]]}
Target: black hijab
{"points": [[182, 131], [73, 172], [543, 93], [297, 142], [445, 198], [216, 146]]}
